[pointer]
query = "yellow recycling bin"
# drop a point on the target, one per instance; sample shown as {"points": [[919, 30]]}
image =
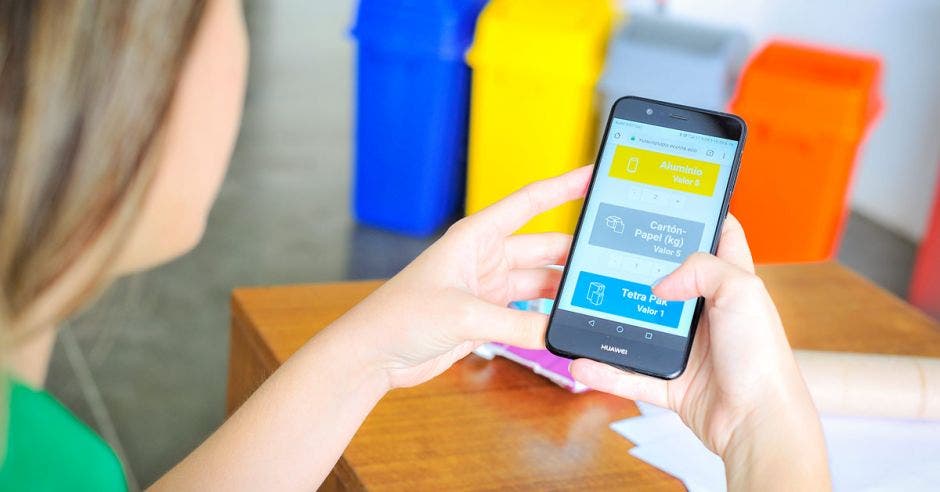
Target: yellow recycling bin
{"points": [[535, 67]]}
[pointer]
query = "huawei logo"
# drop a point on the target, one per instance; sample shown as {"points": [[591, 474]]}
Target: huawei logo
{"points": [[616, 350]]}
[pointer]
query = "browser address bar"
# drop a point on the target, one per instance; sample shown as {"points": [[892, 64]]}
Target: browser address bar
{"points": [[663, 144]]}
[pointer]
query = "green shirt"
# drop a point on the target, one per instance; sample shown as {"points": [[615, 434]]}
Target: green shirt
{"points": [[48, 448]]}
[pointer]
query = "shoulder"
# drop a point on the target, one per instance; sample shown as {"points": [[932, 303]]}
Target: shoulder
{"points": [[47, 447]]}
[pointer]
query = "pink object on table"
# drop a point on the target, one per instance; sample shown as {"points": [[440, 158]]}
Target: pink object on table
{"points": [[542, 362]]}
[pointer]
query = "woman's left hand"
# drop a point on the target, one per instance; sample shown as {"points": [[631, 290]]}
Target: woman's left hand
{"points": [[454, 296]]}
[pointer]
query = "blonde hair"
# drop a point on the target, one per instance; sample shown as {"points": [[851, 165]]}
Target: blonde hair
{"points": [[84, 88]]}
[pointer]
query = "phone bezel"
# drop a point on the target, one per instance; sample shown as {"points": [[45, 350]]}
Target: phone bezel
{"points": [[673, 116]]}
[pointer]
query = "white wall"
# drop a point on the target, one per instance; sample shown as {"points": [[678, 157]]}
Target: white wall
{"points": [[899, 163]]}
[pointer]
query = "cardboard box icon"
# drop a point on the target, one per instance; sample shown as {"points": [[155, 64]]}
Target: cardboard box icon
{"points": [[614, 223]]}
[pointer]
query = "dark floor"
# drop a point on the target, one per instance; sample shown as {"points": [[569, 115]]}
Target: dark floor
{"points": [[877, 253], [146, 366]]}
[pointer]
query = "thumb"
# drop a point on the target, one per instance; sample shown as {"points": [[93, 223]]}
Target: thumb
{"points": [[702, 275], [624, 384], [493, 323]]}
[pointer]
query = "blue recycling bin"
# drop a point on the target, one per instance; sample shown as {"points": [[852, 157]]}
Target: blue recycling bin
{"points": [[412, 102]]}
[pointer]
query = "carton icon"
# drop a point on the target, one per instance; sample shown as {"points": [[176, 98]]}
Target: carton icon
{"points": [[595, 293]]}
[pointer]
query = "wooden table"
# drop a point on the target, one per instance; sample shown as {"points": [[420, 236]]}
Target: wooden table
{"points": [[488, 425]]}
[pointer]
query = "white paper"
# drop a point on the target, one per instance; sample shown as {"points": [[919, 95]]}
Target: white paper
{"points": [[882, 454], [700, 471], [864, 454], [648, 429], [649, 409]]}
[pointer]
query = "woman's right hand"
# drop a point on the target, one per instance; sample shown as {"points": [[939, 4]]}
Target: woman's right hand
{"points": [[742, 392]]}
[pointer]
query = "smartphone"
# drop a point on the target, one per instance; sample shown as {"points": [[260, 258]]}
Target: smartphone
{"points": [[660, 192]]}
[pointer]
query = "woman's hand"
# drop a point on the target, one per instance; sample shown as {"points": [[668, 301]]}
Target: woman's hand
{"points": [[454, 296], [741, 393]]}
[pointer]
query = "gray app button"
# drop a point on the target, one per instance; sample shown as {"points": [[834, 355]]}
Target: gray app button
{"points": [[644, 233]]}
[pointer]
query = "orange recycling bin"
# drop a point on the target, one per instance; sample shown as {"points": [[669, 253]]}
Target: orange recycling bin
{"points": [[807, 109], [925, 285]]}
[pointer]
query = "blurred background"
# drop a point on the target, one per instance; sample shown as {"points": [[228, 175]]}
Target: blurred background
{"points": [[146, 366]]}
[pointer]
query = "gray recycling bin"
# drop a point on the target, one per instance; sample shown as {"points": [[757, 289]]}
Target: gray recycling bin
{"points": [[678, 61]]}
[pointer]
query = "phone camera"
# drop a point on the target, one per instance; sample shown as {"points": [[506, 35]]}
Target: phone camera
{"points": [[649, 111]]}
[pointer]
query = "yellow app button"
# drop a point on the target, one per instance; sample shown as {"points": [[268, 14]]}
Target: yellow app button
{"points": [[664, 170]]}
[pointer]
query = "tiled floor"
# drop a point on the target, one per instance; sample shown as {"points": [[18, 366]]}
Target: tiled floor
{"points": [[146, 366]]}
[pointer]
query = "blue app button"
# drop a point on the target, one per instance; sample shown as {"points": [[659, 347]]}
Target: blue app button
{"points": [[624, 298]]}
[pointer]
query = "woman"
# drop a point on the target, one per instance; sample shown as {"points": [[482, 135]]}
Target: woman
{"points": [[117, 120]]}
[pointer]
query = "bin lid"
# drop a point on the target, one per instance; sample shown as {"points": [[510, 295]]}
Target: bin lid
{"points": [[648, 42], [811, 89], [560, 37], [442, 28]]}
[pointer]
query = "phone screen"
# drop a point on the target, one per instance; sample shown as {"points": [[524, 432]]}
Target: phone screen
{"points": [[658, 196]]}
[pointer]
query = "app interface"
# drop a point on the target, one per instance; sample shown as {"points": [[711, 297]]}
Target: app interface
{"points": [[656, 200]]}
